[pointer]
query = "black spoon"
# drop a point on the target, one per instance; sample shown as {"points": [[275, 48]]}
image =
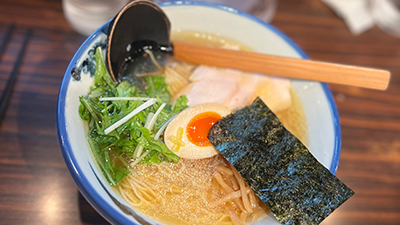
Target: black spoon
{"points": [[139, 26]]}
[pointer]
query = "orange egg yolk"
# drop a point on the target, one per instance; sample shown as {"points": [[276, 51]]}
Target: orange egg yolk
{"points": [[198, 128]]}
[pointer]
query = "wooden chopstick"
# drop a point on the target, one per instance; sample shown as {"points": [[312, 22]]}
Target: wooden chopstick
{"points": [[10, 83], [283, 66]]}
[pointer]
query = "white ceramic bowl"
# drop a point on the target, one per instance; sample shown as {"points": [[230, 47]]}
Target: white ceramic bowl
{"points": [[321, 113]]}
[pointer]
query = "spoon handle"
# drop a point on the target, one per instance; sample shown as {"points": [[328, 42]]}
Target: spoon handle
{"points": [[283, 66]]}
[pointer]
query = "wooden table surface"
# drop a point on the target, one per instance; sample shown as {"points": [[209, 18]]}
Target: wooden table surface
{"points": [[35, 184]]}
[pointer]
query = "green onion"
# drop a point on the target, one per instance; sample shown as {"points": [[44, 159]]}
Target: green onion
{"points": [[125, 99], [130, 115]]}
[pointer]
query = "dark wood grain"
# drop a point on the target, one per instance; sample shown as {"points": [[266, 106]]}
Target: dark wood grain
{"points": [[36, 187]]}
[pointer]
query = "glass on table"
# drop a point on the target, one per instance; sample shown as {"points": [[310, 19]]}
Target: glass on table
{"points": [[85, 16]]}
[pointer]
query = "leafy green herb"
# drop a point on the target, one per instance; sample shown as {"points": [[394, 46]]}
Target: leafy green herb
{"points": [[180, 104], [102, 76], [157, 88], [115, 150]]}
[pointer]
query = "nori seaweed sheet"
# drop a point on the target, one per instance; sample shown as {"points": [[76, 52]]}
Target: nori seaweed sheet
{"points": [[277, 166]]}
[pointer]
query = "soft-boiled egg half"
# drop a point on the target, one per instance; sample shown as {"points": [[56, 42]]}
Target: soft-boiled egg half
{"points": [[186, 135]]}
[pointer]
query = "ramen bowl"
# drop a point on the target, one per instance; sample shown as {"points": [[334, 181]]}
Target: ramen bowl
{"points": [[320, 110]]}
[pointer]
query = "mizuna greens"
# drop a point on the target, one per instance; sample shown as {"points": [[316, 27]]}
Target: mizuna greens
{"points": [[137, 139]]}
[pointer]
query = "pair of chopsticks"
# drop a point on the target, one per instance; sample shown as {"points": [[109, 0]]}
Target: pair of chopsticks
{"points": [[11, 80]]}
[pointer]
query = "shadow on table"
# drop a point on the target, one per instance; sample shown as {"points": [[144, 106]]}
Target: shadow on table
{"points": [[88, 214]]}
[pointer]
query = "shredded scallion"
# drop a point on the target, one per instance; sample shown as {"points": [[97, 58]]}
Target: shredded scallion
{"points": [[130, 115], [125, 99]]}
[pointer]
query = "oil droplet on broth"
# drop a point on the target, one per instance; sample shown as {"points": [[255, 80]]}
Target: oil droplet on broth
{"points": [[175, 189], [168, 195]]}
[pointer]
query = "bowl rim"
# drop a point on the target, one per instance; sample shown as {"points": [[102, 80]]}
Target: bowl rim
{"points": [[92, 196]]}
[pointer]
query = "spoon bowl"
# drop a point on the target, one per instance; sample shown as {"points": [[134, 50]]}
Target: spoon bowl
{"points": [[139, 26]]}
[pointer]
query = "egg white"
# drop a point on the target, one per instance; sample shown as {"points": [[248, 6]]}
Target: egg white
{"points": [[190, 150]]}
